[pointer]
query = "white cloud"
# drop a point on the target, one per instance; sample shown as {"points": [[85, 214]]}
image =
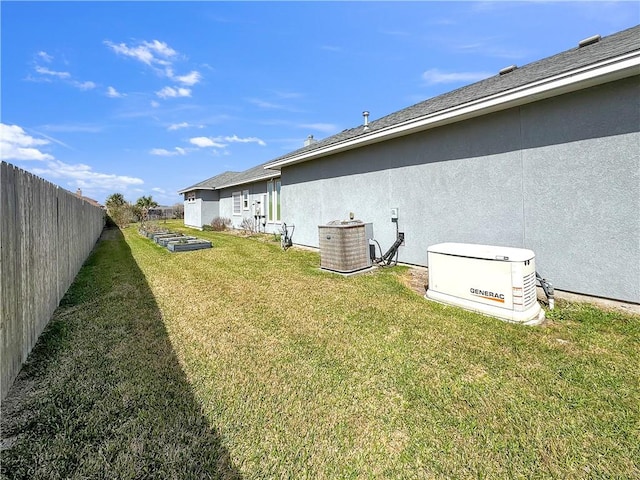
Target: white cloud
{"points": [[160, 57], [436, 76], [222, 142], [190, 79], [45, 57], [236, 139], [113, 93], [84, 85], [160, 48], [204, 142], [149, 53], [158, 190], [53, 73], [65, 76], [16, 144], [154, 104], [178, 126], [168, 153], [83, 176], [170, 92]]}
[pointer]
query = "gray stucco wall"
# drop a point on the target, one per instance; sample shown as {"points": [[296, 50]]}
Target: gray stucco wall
{"points": [[257, 192], [560, 176], [201, 211]]}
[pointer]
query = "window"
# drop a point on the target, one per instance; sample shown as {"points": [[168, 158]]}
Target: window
{"points": [[273, 203], [237, 203], [190, 196], [245, 200]]}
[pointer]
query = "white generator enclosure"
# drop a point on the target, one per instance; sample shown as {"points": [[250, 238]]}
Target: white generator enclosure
{"points": [[496, 281]]}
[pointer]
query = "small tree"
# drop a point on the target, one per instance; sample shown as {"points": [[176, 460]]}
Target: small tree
{"points": [[114, 201], [144, 204], [119, 210]]}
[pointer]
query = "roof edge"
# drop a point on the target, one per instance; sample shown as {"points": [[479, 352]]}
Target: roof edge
{"points": [[193, 188], [272, 174], [605, 71]]}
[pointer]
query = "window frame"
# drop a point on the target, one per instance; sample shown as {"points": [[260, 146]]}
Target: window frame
{"points": [[237, 195], [245, 200], [274, 211]]}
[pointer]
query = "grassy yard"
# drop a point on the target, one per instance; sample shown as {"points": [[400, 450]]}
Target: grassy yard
{"points": [[244, 361]]}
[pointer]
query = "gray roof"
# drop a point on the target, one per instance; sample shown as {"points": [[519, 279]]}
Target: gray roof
{"points": [[229, 179], [608, 47], [255, 173], [211, 183]]}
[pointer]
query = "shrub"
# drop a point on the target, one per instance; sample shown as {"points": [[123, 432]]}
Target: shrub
{"points": [[220, 224], [248, 226], [121, 215]]}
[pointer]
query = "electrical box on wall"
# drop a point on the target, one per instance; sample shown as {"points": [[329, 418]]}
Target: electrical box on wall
{"points": [[394, 214]]}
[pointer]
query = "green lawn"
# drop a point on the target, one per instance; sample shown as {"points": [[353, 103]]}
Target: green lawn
{"points": [[244, 361]]}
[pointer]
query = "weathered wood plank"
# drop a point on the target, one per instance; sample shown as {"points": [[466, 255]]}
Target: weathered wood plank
{"points": [[46, 234]]}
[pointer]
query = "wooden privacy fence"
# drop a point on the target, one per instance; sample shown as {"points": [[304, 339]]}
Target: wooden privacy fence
{"points": [[46, 234]]}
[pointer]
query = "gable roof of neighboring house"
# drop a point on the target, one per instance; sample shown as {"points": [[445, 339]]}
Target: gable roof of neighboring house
{"points": [[93, 202], [611, 58], [230, 179]]}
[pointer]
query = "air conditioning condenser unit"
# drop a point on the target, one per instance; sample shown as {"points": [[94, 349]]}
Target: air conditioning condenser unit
{"points": [[496, 281]]}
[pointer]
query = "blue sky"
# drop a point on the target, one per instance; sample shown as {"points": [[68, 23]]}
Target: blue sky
{"points": [[147, 98]]}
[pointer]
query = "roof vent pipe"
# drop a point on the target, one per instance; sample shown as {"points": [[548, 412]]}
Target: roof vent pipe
{"points": [[589, 41], [309, 141], [365, 114]]}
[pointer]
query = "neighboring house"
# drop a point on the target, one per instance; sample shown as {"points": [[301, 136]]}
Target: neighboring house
{"points": [[545, 157], [93, 202], [253, 194]]}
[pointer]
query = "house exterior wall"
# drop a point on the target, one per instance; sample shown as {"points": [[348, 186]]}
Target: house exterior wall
{"points": [[559, 176], [257, 192], [202, 210]]}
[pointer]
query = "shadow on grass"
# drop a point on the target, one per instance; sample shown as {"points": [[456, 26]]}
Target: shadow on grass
{"points": [[103, 395]]}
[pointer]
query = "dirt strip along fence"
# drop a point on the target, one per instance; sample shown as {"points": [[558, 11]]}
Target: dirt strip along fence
{"points": [[46, 234]]}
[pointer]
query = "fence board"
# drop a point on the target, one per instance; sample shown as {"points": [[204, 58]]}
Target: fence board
{"points": [[46, 234]]}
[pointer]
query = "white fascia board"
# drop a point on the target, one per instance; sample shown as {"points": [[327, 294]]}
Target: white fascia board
{"points": [[596, 74]]}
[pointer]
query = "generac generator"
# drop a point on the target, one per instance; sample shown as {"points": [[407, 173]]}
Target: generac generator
{"points": [[496, 281]]}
